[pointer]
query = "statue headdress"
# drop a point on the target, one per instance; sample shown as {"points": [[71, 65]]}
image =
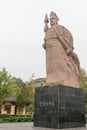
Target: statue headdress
{"points": [[53, 13]]}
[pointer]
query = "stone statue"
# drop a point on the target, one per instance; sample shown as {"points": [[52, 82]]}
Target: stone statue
{"points": [[62, 64]]}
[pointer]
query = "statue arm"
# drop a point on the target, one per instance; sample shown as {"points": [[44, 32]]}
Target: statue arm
{"points": [[46, 21]]}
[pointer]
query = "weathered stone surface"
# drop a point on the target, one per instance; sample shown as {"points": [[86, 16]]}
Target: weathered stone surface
{"points": [[62, 64]]}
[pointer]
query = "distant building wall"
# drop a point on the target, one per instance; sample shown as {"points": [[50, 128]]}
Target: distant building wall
{"points": [[10, 108]]}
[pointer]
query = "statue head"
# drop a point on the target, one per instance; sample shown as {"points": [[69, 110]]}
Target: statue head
{"points": [[53, 18]]}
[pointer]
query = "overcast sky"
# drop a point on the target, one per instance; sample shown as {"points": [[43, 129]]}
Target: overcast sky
{"points": [[21, 33]]}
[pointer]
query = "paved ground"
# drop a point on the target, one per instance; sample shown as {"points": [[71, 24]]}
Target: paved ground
{"points": [[28, 126], [16, 126]]}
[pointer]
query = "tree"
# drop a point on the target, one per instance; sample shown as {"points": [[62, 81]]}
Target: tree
{"points": [[83, 80], [4, 87], [20, 101], [19, 82], [83, 85], [8, 85], [28, 94]]}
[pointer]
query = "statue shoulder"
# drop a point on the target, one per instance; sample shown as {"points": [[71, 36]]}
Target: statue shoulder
{"points": [[58, 28], [65, 31], [65, 35]]}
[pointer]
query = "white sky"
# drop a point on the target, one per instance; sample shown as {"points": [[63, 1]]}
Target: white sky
{"points": [[21, 33]]}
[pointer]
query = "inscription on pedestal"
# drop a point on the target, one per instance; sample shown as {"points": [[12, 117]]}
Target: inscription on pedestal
{"points": [[59, 107], [46, 104]]}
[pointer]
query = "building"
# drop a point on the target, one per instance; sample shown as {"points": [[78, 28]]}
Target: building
{"points": [[9, 107], [40, 82]]}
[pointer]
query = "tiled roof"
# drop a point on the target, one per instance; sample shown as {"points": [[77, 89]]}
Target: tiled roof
{"points": [[11, 98]]}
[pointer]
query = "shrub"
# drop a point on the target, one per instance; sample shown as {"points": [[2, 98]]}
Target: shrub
{"points": [[15, 118], [1, 120]]}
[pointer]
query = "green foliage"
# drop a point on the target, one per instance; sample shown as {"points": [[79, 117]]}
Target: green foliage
{"points": [[14, 89], [9, 116], [19, 82], [8, 85], [86, 108], [43, 82], [5, 89], [1, 120], [30, 109], [25, 97], [28, 91], [20, 101], [15, 118], [12, 86], [83, 85], [4, 81], [83, 81]]}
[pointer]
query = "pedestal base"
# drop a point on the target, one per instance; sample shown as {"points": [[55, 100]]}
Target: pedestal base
{"points": [[59, 107]]}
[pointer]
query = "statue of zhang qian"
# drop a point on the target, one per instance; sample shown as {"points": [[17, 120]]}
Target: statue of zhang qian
{"points": [[62, 64]]}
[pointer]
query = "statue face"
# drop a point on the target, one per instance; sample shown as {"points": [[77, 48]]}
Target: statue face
{"points": [[53, 20]]}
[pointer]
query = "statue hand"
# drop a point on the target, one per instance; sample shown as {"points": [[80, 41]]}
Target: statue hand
{"points": [[46, 20], [44, 45], [69, 50]]}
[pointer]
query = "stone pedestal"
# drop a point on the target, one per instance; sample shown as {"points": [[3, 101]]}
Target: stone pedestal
{"points": [[59, 107]]}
